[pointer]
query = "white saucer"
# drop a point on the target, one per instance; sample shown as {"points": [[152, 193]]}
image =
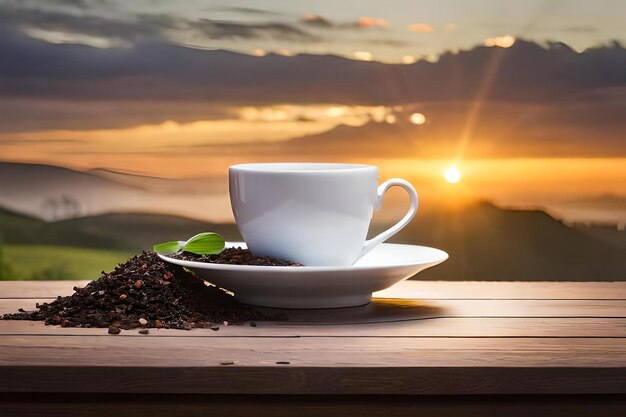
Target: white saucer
{"points": [[318, 286]]}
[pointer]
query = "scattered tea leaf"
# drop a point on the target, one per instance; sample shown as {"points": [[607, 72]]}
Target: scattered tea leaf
{"points": [[207, 243], [167, 247]]}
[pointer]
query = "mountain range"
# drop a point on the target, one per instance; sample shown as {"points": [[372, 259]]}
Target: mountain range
{"points": [[484, 242]]}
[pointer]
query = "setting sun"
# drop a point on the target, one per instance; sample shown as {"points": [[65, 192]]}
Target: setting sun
{"points": [[452, 175], [418, 119]]}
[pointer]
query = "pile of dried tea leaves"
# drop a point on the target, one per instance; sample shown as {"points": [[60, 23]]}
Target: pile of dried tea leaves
{"points": [[145, 292], [234, 256]]}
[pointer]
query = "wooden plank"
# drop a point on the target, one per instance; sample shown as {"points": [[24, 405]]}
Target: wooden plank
{"points": [[118, 351], [315, 380], [408, 289], [506, 290], [438, 327], [157, 405], [38, 289], [391, 309]]}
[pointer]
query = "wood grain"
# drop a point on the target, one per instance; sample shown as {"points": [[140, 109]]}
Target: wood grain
{"points": [[269, 380], [428, 338], [437, 327], [157, 405], [38, 289], [385, 309], [408, 289], [506, 290], [117, 351]]}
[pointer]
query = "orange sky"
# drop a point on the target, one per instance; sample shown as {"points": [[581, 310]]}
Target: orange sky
{"points": [[169, 150]]}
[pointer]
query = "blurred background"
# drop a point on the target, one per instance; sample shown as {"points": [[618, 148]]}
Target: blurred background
{"points": [[118, 121]]}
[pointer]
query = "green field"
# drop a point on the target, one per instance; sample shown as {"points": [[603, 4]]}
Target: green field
{"points": [[43, 262], [484, 242]]}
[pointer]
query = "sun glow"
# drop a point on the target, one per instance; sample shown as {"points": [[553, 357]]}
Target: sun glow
{"points": [[409, 59], [501, 41], [452, 175], [418, 119], [363, 55]]}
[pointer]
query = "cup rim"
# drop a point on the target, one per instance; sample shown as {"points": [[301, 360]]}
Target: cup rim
{"points": [[300, 167]]}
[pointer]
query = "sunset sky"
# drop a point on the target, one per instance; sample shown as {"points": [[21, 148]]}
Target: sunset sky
{"points": [[525, 98]]}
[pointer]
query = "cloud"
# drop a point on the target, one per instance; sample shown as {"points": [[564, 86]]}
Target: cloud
{"points": [[53, 3], [161, 71], [372, 22], [501, 130], [501, 41], [576, 96], [317, 20], [247, 10], [30, 114], [388, 42], [66, 6], [142, 27], [234, 30], [364, 22], [71, 3], [421, 27]]}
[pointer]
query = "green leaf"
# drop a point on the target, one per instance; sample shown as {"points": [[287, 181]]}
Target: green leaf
{"points": [[207, 243], [167, 247]]}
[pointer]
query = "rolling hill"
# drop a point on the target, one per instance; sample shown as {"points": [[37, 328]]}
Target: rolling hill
{"points": [[141, 230], [119, 231], [489, 243], [18, 228], [484, 241], [51, 193], [80, 248]]}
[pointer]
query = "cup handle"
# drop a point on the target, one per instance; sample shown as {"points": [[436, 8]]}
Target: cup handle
{"points": [[382, 189]]}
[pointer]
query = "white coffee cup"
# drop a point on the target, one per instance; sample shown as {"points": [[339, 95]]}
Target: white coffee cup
{"points": [[314, 214]]}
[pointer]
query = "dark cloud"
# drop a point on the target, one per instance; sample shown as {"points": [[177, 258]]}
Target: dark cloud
{"points": [[142, 27], [76, 3], [147, 27], [233, 30], [70, 3], [364, 22], [161, 71], [31, 3], [247, 10], [66, 5], [388, 42], [33, 114]]}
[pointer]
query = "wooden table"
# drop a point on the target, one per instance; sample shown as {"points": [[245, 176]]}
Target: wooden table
{"points": [[440, 348]]}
